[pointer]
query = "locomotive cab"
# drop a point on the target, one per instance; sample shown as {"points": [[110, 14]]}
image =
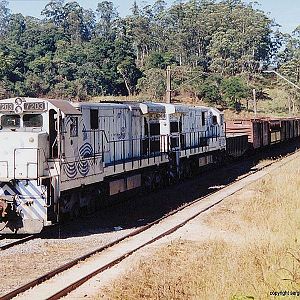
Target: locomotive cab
{"points": [[23, 151], [23, 140], [29, 161], [172, 126]]}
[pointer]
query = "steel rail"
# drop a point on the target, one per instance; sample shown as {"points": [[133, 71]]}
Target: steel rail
{"points": [[17, 242], [65, 291], [74, 262]]}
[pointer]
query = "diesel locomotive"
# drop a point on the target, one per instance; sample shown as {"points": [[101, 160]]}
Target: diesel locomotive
{"points": [[58, 157]]}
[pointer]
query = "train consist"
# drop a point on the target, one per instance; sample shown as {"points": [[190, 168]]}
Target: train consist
{"points": [[58, 158], [255, 134]]}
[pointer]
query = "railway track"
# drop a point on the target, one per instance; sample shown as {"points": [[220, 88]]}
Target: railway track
{"points": [[48, 287], [6, 243]]}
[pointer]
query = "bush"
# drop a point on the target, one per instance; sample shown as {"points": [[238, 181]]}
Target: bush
{"points": [[233, 90]]}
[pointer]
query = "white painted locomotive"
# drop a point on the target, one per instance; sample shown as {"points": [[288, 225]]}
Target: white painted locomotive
{"points": [[58, 157]]}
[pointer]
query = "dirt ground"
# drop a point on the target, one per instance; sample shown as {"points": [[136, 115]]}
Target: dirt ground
{"points": [[245, 248]]}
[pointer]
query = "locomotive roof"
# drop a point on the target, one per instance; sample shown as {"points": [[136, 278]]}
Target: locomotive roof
{"points": [[64, 105], [145, 107], [149, 107], [101, 104], [175, 108]]}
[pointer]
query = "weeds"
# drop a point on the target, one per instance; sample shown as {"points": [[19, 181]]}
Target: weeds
{"points": [[255, 255]]}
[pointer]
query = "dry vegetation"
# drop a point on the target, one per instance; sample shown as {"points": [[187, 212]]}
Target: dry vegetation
{"points": [[275, 106], [255, 252]]}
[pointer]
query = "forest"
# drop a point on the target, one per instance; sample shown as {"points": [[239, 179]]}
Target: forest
{"points": [[217, 51]]}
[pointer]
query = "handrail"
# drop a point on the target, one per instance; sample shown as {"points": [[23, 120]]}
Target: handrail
{"points": [[121, 150], [55, 142], [39, 150]]}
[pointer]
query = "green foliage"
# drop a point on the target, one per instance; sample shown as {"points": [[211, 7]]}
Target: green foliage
{"points": [[153, 84], [289, 61], [6, 62], [67, 54], [234, 89], [77, 53], [108, 15], [211, 92], [160, 60]]}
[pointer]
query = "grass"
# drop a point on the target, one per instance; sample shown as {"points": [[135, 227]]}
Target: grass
{"points": [[275, 106], [252, 248]]}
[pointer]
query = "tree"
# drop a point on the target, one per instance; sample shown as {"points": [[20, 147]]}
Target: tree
{"points": [[234, 89], [54, 11], [78, 53], [210, 90], [4, 17], [107, 19], [153, 84], [6, 62], [160, 60], [135, 9], [77, 23], [125, 63], [239, 46], [289, 62]]}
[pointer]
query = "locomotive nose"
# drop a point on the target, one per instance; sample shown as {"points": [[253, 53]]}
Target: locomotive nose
{"points": [[21, 154]]}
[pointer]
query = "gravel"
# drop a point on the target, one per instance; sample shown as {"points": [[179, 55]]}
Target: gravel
{"points": [[34, 258], [63, 243]]}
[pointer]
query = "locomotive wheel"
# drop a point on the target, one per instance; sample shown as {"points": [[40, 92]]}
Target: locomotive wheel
{"points": [[148, 182], [157, 181], [75, 212], [91, 208]]}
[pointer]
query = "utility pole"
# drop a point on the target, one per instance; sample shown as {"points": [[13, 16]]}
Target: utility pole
{"points": [[168, 85], [254, 102], [291, 83], [281, 76]]}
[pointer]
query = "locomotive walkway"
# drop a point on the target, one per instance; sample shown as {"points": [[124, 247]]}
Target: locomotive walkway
{"points": [[71, 278]]}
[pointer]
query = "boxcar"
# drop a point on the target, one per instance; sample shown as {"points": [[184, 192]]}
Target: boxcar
{"points": [[256, 129], [236, 144], [275, 131]]}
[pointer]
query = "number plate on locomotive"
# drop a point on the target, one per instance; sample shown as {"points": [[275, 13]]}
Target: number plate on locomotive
{"points": [[34, 106], [6, 106]]}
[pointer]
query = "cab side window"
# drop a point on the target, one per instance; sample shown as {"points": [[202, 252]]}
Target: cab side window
{"points": [[94, 123], [73, 126], [203, 118], [214, 120]]}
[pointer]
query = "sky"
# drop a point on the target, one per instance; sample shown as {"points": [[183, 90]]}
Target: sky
{"points": [[285, 12]]}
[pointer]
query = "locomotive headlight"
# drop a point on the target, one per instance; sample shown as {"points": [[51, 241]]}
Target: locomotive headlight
{"points": [[18, 101], [18, 109], [31, 140]]}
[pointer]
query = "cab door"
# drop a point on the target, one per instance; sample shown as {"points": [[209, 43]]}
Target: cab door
{"points": [[53, 146]]}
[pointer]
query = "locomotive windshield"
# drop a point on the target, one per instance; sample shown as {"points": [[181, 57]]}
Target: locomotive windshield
{"points": [[29, 120], [33, 120], [11, 121]]}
